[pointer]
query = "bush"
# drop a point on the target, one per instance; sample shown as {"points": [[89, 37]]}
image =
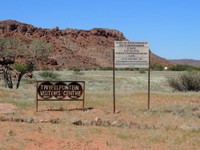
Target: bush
{"points": [[157, 67], [77, 71], [20, 67], [48, 74], [142, 71], [180, 67], [23, 68], [189, 81]]}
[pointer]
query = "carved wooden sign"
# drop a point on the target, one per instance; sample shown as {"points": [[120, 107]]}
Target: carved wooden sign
{"points": [[60, 91]]}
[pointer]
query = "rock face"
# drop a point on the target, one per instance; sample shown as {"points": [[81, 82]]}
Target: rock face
{"points": [[72, 48]]}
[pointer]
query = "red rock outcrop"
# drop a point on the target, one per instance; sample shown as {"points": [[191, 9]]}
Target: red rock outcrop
{"points": [[72, 48]]}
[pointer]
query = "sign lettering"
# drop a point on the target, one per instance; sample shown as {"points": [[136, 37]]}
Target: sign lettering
{"points": [[60, 90], [131, 54]]}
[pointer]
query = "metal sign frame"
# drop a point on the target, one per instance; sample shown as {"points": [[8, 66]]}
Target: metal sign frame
{"points": [[59, 90], [147, 59]]}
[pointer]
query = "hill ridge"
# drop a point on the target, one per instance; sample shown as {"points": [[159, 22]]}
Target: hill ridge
{"points": [[73, 48]]}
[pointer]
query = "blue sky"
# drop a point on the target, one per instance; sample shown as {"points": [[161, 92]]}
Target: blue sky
{"points": [[172, 27]]}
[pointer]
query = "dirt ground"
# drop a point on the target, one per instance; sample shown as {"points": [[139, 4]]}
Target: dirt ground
{"points": [[42, 134], [172, 123], [52, 128]]}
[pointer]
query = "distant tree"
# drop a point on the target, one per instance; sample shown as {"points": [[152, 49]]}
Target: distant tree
{"points": [[38, 52]]}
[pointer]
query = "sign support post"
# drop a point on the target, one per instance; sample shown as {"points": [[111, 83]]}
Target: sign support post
{"points": [[36, 96], [83, 96], [149, 76], [114, 81]]}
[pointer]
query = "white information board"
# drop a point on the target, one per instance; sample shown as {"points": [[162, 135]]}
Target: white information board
{"points": [[131, 54]]}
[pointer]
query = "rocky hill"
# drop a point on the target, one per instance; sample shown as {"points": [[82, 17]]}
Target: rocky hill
{"points": [[72, 48]]}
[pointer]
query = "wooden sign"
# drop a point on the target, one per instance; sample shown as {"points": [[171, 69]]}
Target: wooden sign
{"points": [[60, 91]]}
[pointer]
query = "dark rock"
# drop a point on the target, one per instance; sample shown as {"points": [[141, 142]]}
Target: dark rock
{"points": [[77, 122], [106, 123], [4, 118], [54, 120], [98, 121], [29, 120], [18, 120]]}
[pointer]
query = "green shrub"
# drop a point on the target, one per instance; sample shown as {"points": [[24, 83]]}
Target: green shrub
{"points": [[76, 70], [180, 67], [49, 74], [23, 68], [142, 71], [189, 81], [106, 68], [157, 67]]}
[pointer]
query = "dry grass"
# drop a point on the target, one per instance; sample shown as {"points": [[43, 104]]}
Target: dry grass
{"points": [[169, 124]]}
